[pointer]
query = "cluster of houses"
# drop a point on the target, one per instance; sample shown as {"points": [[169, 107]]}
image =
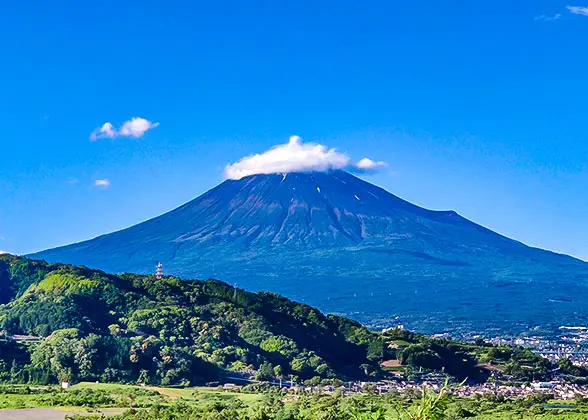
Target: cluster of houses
{"points": [[571, 342], [559, 390], [434, 381]]}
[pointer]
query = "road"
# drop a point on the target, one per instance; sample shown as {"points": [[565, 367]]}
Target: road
{"points": [[47, 413]]}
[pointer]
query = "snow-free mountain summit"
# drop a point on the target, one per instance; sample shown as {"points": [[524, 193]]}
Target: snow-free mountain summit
{"points": [[345, 245]]}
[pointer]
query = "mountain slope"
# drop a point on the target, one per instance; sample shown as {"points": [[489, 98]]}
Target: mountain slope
{"points": [[348, 246]]}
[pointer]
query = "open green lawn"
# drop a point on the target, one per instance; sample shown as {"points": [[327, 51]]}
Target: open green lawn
{"points": [[189, 394], [91, 395], [401, 343]]}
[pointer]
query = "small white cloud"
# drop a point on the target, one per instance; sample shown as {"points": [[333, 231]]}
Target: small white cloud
{"points": [[547, 18], [578, 10], [73, 181], [366, 164], [135, 127], [296, 156], [102, 183], [106, 131], [4, 252]]}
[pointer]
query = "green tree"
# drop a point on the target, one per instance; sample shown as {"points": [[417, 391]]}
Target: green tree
{"points": [[265, 372]]}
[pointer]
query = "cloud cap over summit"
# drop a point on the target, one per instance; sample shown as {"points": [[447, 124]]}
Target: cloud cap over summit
{"points": [[296, 156]]}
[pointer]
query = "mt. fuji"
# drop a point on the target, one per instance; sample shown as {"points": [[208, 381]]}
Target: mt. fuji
{"points": [[340, 243]]}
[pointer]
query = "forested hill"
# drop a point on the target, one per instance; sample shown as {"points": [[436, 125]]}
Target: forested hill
{"points": [[126, 327], [61, 322]]}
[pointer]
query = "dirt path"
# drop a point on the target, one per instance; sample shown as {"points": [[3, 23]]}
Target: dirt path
{"points": [[167, 392], [49, 413]]}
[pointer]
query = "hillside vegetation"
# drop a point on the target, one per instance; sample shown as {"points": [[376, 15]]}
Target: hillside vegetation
{"points": [[97, 326], [86, 325]]}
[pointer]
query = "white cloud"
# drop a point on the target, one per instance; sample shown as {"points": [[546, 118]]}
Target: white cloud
{"points": [[103, 183], [295, 156], [4, 252], [135, 127], [547, 18], [578, 10], [366, 164], [106, 131]]}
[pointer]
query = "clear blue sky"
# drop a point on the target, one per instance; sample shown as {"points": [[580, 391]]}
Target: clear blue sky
{"points": [[480, 107]]}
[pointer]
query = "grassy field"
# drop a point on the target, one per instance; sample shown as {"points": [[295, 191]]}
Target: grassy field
{"points": [[90, 395], [172, 394], [113, 399]]}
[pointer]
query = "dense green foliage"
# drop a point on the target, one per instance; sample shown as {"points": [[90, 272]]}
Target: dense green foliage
{"points": [[466, 360], [87, 325], [96, 326]]}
